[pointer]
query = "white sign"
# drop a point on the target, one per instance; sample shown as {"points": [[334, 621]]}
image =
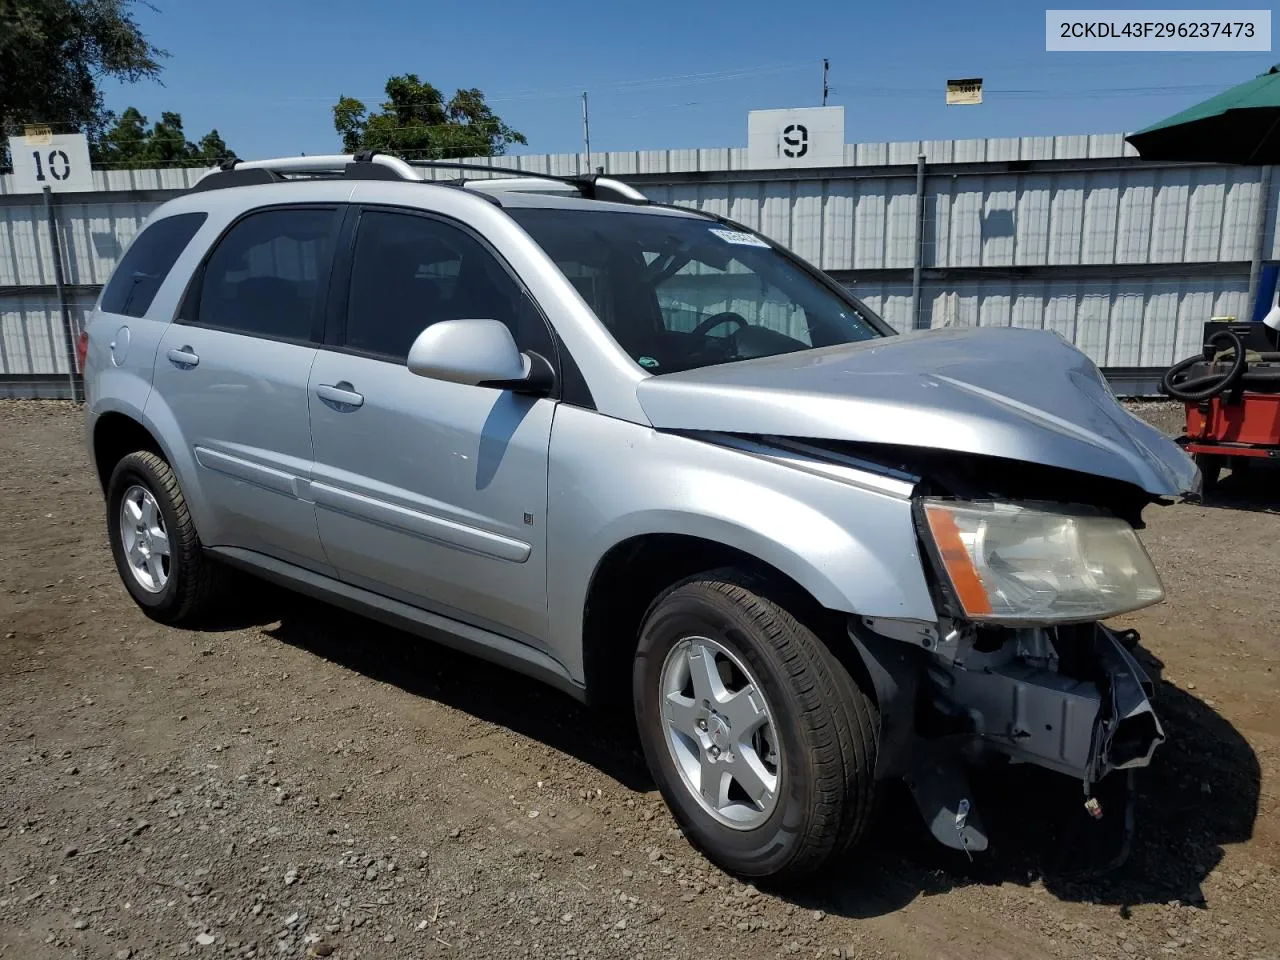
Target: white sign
{"points": [[800, 137], [59, 161], [739, 238], [1196, 30], [964, 91]]}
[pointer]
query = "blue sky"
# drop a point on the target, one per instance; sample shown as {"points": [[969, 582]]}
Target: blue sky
{"points": [[660, 73]]}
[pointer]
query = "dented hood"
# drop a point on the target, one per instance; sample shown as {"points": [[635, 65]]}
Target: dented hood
{"points": [[1004, 392]]}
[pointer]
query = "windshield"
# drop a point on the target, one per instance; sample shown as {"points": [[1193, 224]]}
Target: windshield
{"points": [[682, 292]]}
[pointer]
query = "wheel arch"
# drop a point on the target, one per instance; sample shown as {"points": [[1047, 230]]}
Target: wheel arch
{"points": [[633, 573], [116, 435], [118, 430]]}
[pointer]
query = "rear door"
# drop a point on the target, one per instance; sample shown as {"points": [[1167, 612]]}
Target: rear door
{"points": [[233, 371], [429, 492]]}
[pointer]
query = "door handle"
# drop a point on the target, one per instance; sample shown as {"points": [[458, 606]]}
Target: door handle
{"points": [[341, 393], [183, 357]]}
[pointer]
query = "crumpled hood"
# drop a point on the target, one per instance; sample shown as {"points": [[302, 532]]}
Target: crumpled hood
{"points": [[1000, 391]]}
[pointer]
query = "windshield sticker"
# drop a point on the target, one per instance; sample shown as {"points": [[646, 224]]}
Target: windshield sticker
{"points": [[739, 238], [647, 362]]}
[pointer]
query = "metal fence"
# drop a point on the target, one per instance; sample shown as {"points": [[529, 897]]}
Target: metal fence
{"points": [[1125, 258]]}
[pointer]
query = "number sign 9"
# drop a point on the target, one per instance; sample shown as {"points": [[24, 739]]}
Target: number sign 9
{"points": [[795, 137], [795, 140]]}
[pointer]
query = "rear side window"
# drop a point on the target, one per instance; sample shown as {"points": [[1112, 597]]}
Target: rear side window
{"points": [[147, 262], [264, 278]]}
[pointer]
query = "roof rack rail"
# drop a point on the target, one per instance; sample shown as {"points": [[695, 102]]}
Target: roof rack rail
{"points": [[338, 164], [592, 186], [332, 163], [370, 165]]}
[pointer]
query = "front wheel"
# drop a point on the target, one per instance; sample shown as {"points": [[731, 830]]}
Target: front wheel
{"points": [[760, 741]]}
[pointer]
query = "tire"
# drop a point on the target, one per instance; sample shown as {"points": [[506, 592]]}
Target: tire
{"points": [[824, 729], [182, 585]]}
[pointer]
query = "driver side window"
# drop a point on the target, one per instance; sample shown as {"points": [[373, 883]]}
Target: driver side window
{"points": [[410, 271]]}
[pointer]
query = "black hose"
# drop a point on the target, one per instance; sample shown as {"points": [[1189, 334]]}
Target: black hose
{"points": [[1210, 385]]}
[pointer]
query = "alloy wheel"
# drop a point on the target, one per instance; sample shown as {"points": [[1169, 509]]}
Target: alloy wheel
{"points": [[145, 539], [720, 731]]}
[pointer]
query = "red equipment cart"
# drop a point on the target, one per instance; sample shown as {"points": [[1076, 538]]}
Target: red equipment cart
{"points": [[1232, 397]]}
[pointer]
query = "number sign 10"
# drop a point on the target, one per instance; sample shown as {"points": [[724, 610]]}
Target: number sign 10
{"points": [[55, 161]]}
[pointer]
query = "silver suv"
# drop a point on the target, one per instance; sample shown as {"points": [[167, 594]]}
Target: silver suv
{"points": [[644, 454]]}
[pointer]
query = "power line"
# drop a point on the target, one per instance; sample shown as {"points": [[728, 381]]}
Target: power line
{"points": [[671, 106], [575, 91], [863, 91]]}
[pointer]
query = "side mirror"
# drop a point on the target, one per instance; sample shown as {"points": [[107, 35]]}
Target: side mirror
{"points": [[478, 353]]}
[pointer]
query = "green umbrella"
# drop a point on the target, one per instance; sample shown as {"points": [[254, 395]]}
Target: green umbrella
{"points": [[1241, 125]]}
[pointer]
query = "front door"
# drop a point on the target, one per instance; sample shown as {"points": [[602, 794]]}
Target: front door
{"points": [[428, 492], [233, 370]]}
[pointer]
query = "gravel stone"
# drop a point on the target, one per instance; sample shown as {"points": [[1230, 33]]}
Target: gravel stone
{"points": [[161, 845]]}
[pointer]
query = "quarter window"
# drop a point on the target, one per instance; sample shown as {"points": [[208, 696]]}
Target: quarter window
{"points": [[264, 278], [147, 262], [409, 272]]}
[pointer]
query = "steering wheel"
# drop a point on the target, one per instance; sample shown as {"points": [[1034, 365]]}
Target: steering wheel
{"points": [[713, 321]]}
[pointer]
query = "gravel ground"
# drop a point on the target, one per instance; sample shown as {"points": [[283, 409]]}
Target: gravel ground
{"points": [[1167, 415], [296, 782]]}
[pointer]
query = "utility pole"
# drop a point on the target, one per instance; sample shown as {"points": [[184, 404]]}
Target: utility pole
{"points": [[68, 333], [586, 130], [826, 65], [917, 266]]}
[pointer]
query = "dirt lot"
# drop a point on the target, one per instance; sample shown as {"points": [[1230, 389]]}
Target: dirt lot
{"points": [[300, 782]]}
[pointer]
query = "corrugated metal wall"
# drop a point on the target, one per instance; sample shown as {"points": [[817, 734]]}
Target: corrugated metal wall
{"points": [[94, 234], [1126, 262], [95, 228], [1126, 259], [1118, 323], [31, 337]]}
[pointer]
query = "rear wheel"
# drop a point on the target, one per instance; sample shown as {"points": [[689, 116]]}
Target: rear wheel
{"points": [[154, 542], [760, 741]]}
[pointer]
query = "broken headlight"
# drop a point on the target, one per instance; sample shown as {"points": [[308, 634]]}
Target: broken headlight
{"points": [[1038, 562]]}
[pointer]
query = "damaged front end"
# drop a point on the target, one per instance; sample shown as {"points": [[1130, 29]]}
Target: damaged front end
{"points": [[1025, 563], [1027, 481], [1072, 699]]}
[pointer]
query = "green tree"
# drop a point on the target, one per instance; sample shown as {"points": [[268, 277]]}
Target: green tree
{"points": [[129, 143], [53, 54], [416, 122], [213, 149]]}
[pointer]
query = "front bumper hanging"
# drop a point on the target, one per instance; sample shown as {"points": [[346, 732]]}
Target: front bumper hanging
{"points": [[1074, 701], [1084, 728]]}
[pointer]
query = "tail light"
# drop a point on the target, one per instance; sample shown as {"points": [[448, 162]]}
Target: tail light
{"points": [[82, 349]]}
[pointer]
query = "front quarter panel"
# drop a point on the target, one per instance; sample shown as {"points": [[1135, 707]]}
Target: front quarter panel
{"points": [[852, 547]]}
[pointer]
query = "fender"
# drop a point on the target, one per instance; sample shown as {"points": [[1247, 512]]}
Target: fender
{"points": [[851, 546], [155, 417], [162, 423]]}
